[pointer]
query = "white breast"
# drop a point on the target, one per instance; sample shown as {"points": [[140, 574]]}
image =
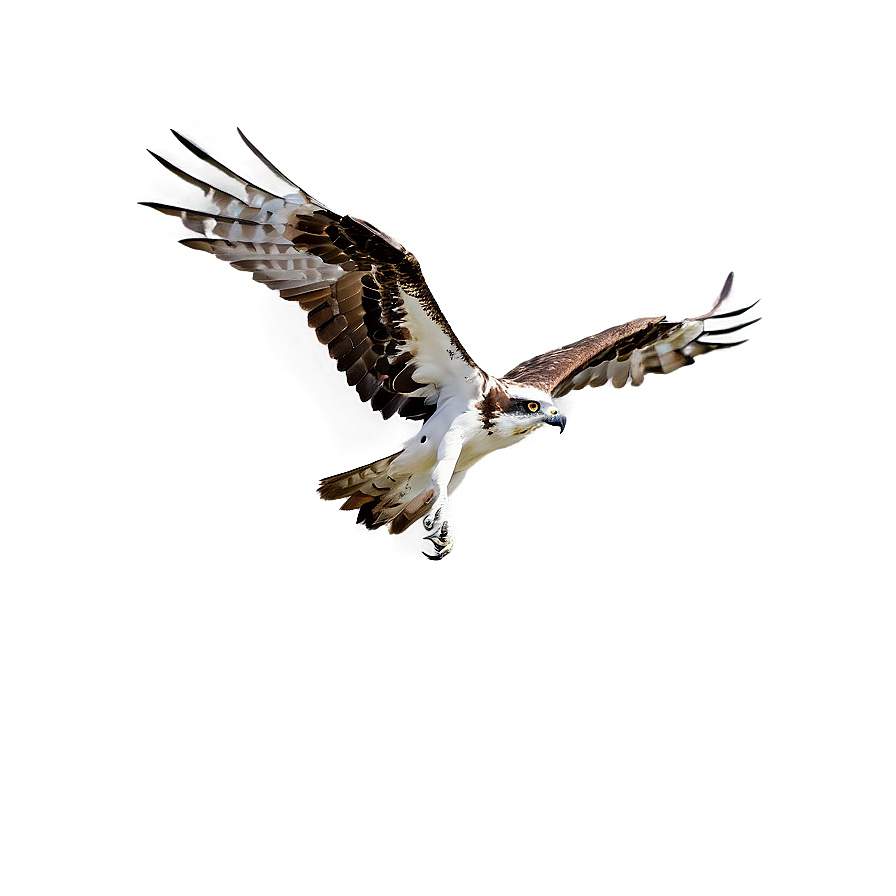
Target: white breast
{"points": [[481, 442]]}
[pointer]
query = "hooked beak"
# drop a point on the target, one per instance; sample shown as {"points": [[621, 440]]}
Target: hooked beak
{"points": [[555, 418]]}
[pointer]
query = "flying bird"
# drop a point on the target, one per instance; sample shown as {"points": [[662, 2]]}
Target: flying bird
{"points": [[368, 303]]}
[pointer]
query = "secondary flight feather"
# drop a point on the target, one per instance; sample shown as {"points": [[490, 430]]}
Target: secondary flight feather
{"points": [[368, 303]]}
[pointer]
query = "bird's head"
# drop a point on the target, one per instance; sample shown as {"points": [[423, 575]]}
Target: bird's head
{"points": [[524, 409]]}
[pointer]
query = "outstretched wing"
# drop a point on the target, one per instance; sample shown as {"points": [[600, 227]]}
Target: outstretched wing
{"points": [[364, 293], [624, 354]]}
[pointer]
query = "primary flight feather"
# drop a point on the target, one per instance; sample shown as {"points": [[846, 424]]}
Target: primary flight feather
{"points": [[368, 303]]}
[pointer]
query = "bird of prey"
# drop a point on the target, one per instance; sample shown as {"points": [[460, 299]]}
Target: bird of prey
{"points": [[368, 303]]}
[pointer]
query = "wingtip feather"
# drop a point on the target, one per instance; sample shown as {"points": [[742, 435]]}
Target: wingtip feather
{"points": [[273, 168]]}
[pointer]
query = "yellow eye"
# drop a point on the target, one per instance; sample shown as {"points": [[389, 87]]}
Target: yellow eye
{"points": [[533, 406]]}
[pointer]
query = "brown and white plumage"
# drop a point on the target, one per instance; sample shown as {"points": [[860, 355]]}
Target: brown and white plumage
{"points": [[364, 293], [366, 298], [624, 354]]}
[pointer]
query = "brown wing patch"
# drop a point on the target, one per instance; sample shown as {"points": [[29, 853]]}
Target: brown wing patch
{"points": [[554, 371], [625, 354], [358, 238], [352, 279]]}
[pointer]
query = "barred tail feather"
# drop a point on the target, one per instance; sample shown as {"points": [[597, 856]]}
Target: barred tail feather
{"points": [[332, 488], [380, 497]]}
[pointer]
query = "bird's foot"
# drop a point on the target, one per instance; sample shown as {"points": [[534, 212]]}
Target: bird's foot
{"points": [[439, 520], [437, 512], [442, 540]]}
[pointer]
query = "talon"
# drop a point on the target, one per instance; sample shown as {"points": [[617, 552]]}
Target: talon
{"points": [[442, 544], [443, 549]]}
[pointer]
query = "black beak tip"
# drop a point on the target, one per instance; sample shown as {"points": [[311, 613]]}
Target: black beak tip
{"points": [[557, 420]]}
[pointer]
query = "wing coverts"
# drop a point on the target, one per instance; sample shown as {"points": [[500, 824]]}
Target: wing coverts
{"points": [[626, 353], [364, 293]]}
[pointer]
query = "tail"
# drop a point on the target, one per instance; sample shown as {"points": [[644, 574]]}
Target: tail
{"points": [[380, 494]]}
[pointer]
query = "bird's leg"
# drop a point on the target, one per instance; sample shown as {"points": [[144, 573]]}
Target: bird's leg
{"points": [[437, 521]]}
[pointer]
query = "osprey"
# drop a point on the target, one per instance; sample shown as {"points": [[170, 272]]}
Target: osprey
{"points": [[368, 303]]}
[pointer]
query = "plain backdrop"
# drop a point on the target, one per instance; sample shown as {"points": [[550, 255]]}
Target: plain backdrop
{"points": [[660, 659]]}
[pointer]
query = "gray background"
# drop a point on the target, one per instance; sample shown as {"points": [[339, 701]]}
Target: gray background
{"points": [[660, 657]]}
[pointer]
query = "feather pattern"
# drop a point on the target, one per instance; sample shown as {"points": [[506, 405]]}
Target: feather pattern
{"points": [[366, 299], [626, 353], [364, 293], [380, 498]]}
